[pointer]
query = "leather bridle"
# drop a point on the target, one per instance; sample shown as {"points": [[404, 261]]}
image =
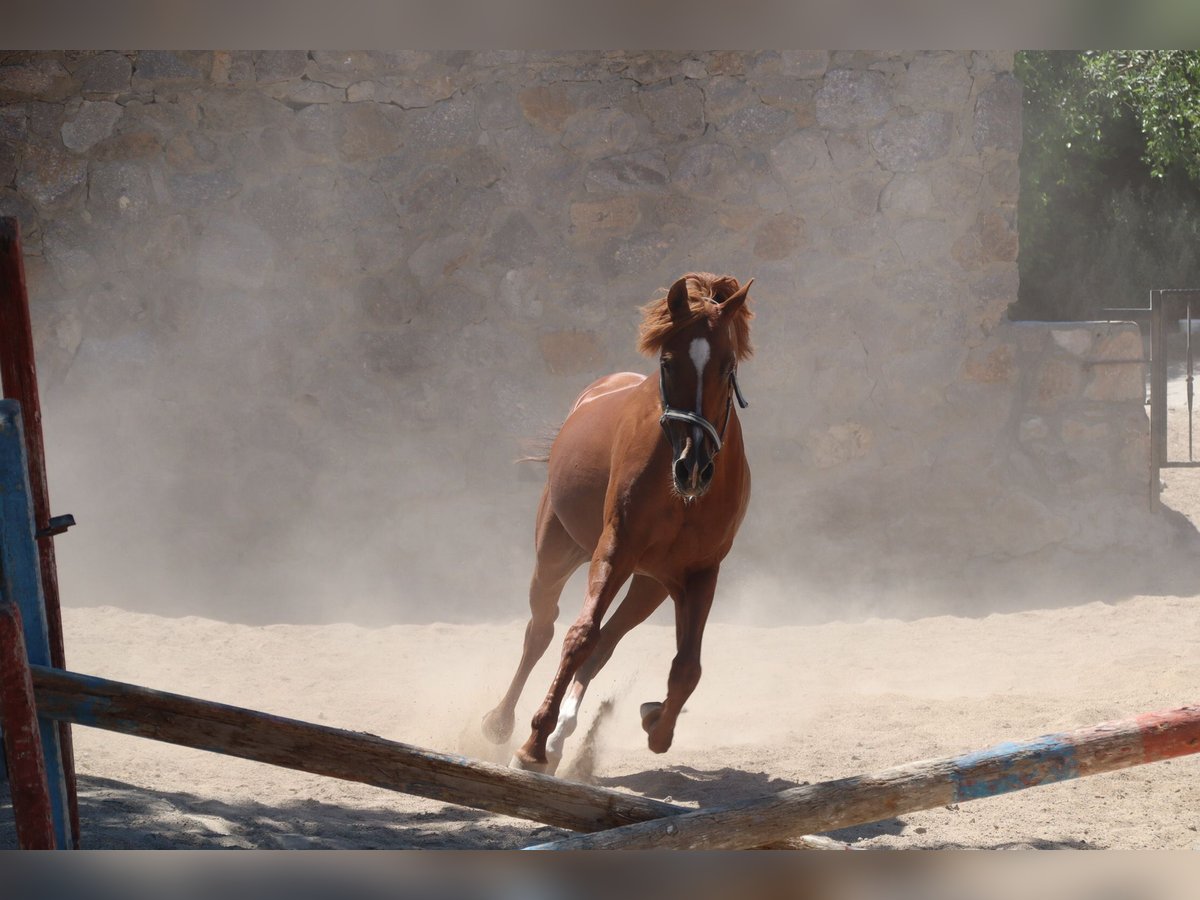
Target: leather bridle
{"points": [[671, 414]]}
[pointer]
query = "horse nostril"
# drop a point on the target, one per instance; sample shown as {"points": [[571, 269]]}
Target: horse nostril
{"points": [[681, 471], [706, 473]]}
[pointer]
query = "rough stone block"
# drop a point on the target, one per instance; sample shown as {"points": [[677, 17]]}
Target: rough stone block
{"points": [[675, 111], [131, 145], [940, 81], [93, 123], [279, 65], [779, 237], [571, 352], [903, 144], [199, 189], [46, 119], [907, 195], [497, 107], [643, 171], [1076, 340], [122, 188], [1119, 342], [14, 122], [991, 364], [43, 79], [238, 110], [1116, 381], [546, 106], [604, 217], [1085, 429], [998, 115], [756, 120], [154, 68], [51, 177], [851, 98], [724, 96], [232, 67], [838, 444], [803, 63], [1057, 382], [997, 237], [304, 91], [923, 240], [106, 74], [10, 157], [801, 156], [366, 133], [599, 132], [1032, 428]]}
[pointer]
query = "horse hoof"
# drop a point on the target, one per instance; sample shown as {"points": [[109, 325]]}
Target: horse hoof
{"points": [[542, 768], [497, 727], [650, 713]]}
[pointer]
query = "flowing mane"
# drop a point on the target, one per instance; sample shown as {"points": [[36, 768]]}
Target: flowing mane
{"points": [[705, 294]]}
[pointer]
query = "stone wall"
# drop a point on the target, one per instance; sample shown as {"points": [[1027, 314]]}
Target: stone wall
{"points": [[297, 312]]}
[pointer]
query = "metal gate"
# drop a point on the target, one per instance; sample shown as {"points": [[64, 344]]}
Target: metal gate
{"points": [[1168, 307], [1171, 310]]}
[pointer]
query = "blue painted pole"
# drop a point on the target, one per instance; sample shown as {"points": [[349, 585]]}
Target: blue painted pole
{"points": [[21, 586]]}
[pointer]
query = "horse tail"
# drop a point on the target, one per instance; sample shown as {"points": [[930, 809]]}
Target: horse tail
{"points": [[537, 450]]}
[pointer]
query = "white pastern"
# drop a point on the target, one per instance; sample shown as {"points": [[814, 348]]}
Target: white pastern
{"points": [[567, 715]]}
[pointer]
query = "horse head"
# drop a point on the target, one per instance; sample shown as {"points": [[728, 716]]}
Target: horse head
{"points": [[700, 331]]}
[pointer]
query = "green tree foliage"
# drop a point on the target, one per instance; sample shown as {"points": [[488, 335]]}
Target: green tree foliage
{"points": [[1110, 179]]}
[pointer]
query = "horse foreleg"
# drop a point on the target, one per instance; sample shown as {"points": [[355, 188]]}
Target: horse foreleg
{"points": [[691, 614], [605, 578], [644, 596]]}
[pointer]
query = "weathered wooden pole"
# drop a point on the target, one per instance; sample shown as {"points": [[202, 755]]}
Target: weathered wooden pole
{"points": [[349, 755], [321, 750], [18, 375], [22, 741], [904, 789]]}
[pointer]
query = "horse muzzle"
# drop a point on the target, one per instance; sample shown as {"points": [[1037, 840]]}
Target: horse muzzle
{"points": [[693, 474]]}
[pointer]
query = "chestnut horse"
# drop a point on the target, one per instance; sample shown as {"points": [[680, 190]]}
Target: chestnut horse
{"points": [[648, 480]]}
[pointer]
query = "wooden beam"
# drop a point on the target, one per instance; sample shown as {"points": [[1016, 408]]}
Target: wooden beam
{"points": [[18, 375], [321, 750], [22, 740], [349, 755], [909, 788]]}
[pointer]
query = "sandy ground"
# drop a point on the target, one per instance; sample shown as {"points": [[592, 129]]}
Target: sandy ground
{"points": [[776, 708]]}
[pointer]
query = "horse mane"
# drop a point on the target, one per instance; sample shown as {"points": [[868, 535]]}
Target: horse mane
{"points": [[705, 292]]}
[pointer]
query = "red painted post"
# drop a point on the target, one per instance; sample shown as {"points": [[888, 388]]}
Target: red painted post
{"points": [[18, 374], [22, 742]]}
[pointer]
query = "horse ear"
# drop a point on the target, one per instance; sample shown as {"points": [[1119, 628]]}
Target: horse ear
{"points": [[731, 305], [677, 300]]}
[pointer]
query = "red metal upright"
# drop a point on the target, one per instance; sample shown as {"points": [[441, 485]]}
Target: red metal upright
{"points": [[22, 742], [18, 374]]}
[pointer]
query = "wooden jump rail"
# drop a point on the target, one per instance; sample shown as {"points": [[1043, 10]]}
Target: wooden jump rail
{"points": [[905, 789], [337, 753], [323, 750]]}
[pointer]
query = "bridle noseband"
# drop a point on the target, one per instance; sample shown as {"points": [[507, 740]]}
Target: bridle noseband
{"points": [[670, 414]]}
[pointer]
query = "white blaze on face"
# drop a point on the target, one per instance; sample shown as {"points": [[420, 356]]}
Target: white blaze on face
{"points": [[699, 351]]}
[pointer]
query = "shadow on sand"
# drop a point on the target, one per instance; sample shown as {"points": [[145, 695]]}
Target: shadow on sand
{"points": [[118, 816]]}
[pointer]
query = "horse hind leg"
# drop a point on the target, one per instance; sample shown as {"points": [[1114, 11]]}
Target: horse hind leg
{"points": [[644, 596], [557, 557], [611, 567]]}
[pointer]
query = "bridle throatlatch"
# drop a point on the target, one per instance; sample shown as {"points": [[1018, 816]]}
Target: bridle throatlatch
{"points": [[670, 414]]}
